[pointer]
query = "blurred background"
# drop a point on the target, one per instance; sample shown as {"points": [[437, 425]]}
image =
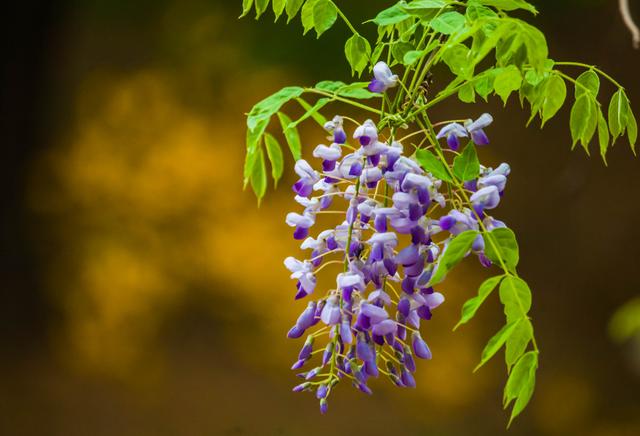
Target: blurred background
{"points": [[144, 291]]}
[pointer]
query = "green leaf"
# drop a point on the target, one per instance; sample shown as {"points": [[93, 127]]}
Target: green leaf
{"points": [[261, 6], [246, 7], [393, 15], [632, 130], [311, 111], [274, 152], [291, 135], [453, 253], [515, 296], [357, 50], [603, 135], [399, 49], [448, 23], [587, 82], [467, 93], [618, 115], [424, 9], [259, 175], [265, 108], [278, 8], [521, 383], [292, 8], [353, 90], [476, 11], [518, 341], [433, 165], [495, 343], [457, 57], [325, 14], [254, 136], [249, 161], [510, 5], [471, 306], [411, 57], [583, 120], [466, 165], [501, 245], [484, 82], [507, 81], [554, 94], [315, 115], [307, 16]]}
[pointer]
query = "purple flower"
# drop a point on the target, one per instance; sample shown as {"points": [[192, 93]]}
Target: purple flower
{"points": [[367, 133], [304, 186], [331, 311], [453, 132], [485, 198], [475, 129], [383, 78], [335, 126], [420, 347]]}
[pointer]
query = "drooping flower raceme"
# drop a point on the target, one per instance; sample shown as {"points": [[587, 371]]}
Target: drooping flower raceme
{"points": [[392, 226]]}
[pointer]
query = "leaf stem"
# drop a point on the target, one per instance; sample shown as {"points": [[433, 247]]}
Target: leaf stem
{"points": [[591, 67]]}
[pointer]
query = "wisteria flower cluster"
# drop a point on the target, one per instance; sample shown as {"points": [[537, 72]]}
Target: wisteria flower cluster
{"points": [[391, 205], [392, 229]]}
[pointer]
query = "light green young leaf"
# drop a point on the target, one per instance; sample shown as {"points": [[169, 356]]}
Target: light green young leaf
{"points": [[453, 253], [583, 120], [587, 82], [515, 296], [278, 8], [495, 343], [317, 116], [501, 245], [555, 92], [265, 108], [484, 82], [261, 6], [603, 136], [274, 152], [393, 15], [399, 49], [476, 11], [457, 58], [249, 162], [521, 383], [259, 175], [448, 23], [507, 81], [291, 135], [357, 50], [466, 165], [432, 164], [632, 130], [510, 5], [292, 8], [246, 7], [306, 16], [411, 57], [467, 93], [472, 305], [254, 136], [325, 14], [618, 115], [518, 341], [535, 43], [310, 112]]}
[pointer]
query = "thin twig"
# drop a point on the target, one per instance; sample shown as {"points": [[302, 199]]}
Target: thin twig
{"points": [[628, 21]]}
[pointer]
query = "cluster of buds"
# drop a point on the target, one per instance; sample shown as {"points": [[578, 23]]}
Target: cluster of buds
{"points": [[395, 222]]}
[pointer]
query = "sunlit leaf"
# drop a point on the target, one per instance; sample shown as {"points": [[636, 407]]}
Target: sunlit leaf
{"points": [[433, 165], [517, 343], [292, 8], [392, 15], [495, 343], [357, 51], [453, 253], [259, 175], [471, 306], [521, 383], [274, 152], [515, 296], [291, 135], [554, 94], [510, 5], [466, 166], [501, 246], [507, 81], [325, 14], [448, 23]]}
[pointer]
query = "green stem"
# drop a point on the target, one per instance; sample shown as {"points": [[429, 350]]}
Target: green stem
{"points": [[346, 20], [343, 100], [591, 67]]}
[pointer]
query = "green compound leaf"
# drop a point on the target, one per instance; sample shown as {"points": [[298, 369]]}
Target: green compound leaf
{"points": [[617, 114], [583, 120], [458, 59], [495, 343], [307, 16], [261, 6], [357, 51], [259, 175], [325, 14], [274, 152], [264, 109], [521, 383], [553, 97], [246, 7], [587, 82], [466, 166], [433, 165], [467, 93], [292, 8], [515, 296], [317, 116], [453, 253], [517, 343], [291, 135], [448, 23], [393, 15], [603, 135], [507, 81], [510, 5], [484, 82], [352, 90], [311, 111], [471, 306], [501, 246], [278, 8], [411, 57]]}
